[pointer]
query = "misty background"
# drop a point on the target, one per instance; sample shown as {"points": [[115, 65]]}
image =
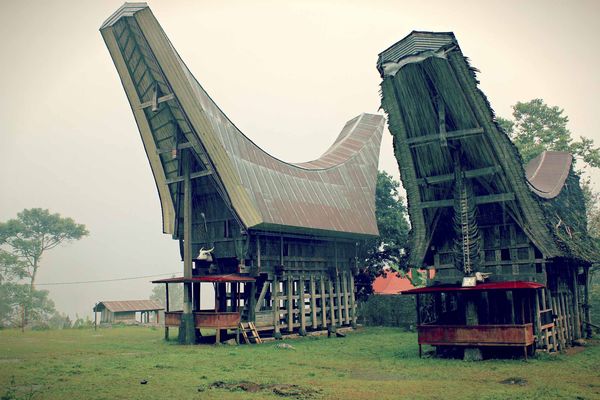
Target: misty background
{"points": [[289, 74]]}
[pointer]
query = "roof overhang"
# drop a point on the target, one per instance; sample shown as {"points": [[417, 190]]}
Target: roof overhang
{"points": [[208, 278], [512, 285]]}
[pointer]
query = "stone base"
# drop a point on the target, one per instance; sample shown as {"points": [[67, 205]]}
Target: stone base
{"points": [[187, 329]]}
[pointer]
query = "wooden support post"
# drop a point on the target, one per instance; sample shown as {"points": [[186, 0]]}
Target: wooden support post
{"points": [[187, 324], [290, 303], [538, 321], [559, 323], [301, 305], [167, 309], [275, 305], [576, 315], [565, 313], [313, 302], [338, 292], [586, 305], [511, 302], [323, 302], [95, 318], [332, 323], [352, 300], [346, 305]]}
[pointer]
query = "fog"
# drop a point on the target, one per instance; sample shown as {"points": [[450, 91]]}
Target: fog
{"points": [[288, 73]]}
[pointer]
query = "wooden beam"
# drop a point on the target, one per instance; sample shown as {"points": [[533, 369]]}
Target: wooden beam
{"points": [[486, 199], [469, 174], [331, 304], [156, 101], [338, 292], [261, 297], [195, 175], [186, 145], [436, 137]]}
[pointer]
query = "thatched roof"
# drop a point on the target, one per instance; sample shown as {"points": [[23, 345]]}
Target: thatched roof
{"points": [[430, 94], [333, 194]]}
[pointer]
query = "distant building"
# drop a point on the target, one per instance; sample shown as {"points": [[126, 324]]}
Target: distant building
{"points": [[128, 311], [391, 283]]}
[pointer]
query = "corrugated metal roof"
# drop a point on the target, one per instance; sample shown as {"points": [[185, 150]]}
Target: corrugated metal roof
{"points": [[548, 172], [129, 305], [333, 193], [414, 43]]}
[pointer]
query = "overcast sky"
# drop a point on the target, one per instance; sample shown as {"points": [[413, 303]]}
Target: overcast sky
{"points": [[289, 74]]}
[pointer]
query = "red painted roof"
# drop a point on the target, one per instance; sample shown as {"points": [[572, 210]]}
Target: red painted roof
{"points": [[482, 286], [208, 278], [391, 283]]}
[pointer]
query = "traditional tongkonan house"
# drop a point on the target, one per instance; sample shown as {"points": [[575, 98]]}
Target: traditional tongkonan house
{"points": [[509, 243], [280, 241]]}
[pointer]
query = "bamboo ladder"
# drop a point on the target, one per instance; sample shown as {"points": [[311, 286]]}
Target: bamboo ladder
{"points": [[250, 328]]}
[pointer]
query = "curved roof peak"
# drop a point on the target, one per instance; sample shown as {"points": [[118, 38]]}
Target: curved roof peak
{"points": [[546, 174]]}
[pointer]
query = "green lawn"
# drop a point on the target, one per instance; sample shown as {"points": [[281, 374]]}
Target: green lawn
{"points": [[374, 363]]}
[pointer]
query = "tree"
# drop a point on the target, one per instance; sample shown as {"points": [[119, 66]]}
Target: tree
{"points": [[33, 232], [388, 248], [537, 127], [175, 295], [23, 242]]}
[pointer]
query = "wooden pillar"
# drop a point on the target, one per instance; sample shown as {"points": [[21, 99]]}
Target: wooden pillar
{"points": [[576, 315], [313, 302], [166, 310], [559, 322], [290, 303], [511, 302], [586, 305], [538, 321], [196, 296], [301, 307], [275, 305], [332, 323], [338, 293], [323, 302], [187, 324], [345, 289], [352, 300]]}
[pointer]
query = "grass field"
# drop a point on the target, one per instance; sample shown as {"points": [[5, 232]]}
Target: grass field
{"points": [[374, 363]]}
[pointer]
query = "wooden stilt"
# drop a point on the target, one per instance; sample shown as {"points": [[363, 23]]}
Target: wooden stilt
{"points": [[576, 314], [346, 303], [313, 302], [301, 305], [538, 320], [338, 293], [290, 303], [352, 300], [331, 305], [275, 305], [323, 302], [586, 304]]}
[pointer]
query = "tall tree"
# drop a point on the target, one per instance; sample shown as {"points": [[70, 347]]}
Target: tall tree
{"points": [[537, 127], [23, 242], [25, 239], [388, 248]]}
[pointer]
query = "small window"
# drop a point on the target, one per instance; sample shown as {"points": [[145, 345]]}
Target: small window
{"points": [[505, 254]]}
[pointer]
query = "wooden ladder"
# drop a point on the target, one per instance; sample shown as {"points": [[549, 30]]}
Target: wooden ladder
{"points": [[253, 336]]}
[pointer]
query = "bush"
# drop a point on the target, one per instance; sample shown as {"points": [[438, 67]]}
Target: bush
{"points": [[395, 310]]}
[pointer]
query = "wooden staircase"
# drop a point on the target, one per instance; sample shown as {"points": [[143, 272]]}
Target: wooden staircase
{"points": [[249, 333]]}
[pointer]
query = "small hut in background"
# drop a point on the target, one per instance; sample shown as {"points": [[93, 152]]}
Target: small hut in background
{"points": [[128, 311]]}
